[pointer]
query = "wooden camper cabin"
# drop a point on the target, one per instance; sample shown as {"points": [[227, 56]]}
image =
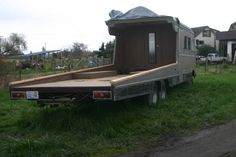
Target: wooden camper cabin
{"points": [[143, 45]]}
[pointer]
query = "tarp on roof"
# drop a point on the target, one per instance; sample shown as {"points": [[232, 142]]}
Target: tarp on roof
{"points": [[140, 15], [135, 13], [232, 27]]}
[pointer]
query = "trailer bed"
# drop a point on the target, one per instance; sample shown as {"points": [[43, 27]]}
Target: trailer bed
{"points": [[75, 83]]}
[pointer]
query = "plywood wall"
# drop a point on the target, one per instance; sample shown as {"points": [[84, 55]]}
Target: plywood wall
{"points": [[132, 47]]}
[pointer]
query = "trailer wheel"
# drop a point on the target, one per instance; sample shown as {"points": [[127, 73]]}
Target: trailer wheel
{"points": [[153, 98], [162, 90]]}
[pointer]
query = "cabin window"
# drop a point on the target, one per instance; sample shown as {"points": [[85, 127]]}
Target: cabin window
{"points": [[152, 47], [187, 43]]}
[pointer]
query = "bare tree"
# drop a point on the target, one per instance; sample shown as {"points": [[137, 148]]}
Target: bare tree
{"points": [[15, 44], [78, 49]]}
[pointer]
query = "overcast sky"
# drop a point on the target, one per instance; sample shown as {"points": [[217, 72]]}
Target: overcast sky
{"points": [[59, 23]]}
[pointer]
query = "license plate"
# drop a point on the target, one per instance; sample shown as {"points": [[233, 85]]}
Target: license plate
{"points": [[32, 94]]}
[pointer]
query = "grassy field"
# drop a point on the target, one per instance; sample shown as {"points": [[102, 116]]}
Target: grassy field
{"points": [[102, 129]]}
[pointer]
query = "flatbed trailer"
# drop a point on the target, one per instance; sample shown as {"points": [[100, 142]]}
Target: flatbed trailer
{"points": [[150, 55]]}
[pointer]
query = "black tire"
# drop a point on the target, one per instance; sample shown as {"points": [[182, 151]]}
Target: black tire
{"points": [[158, 93], [162, 89], [153, 98]]}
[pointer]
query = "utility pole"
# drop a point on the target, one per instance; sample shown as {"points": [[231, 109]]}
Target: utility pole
{"points": [[0, 45]]}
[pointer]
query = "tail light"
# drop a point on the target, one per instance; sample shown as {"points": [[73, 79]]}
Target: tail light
{"points": [[105, 95], [18, 94]]}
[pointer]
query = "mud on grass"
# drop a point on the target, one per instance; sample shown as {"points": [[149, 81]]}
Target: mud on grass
{"points": [[102, 129]]}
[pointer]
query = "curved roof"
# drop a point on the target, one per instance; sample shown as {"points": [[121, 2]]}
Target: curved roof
{"points": [[232, 27]]}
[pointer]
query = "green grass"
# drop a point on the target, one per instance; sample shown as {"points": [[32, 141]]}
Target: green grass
{"points": [[102, 129]]}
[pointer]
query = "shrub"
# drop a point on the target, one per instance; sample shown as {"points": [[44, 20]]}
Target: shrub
{"points": [[225, 66], [7, 68], [205, 49]]}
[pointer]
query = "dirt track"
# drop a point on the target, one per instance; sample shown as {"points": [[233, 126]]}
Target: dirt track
{"points": [[219, 141]]}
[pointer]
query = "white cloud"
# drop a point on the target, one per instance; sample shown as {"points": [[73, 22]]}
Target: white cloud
{"points": [[61, 22]]}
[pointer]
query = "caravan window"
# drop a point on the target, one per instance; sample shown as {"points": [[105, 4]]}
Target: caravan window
{"points": [[152, 48], [187, 43]]}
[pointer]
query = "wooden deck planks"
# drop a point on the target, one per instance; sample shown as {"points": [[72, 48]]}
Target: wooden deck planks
{"points": [[97, 82]]}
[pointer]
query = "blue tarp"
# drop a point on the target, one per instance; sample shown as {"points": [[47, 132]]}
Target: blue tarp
{"points": [[135, 13]]}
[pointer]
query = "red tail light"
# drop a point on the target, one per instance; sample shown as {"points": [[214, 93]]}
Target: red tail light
{"points": [[18, 94], [102, 95]]}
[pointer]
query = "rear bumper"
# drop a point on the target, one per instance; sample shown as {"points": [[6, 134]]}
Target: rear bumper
{"points": [[54, 92]]}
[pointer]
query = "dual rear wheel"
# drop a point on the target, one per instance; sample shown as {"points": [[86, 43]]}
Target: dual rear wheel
{"points": [[158, 93]]}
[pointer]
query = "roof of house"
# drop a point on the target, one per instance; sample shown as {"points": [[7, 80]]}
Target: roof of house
{"points": [[198, 30], [40, 53], [228, 35], [32, 54]]}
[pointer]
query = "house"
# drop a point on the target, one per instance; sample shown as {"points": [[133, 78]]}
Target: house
{"points": [[228, 41], [205, 36], [39, 55]]}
